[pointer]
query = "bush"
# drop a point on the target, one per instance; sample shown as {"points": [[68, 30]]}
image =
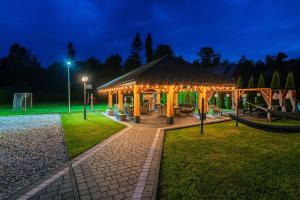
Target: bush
{"points": [[6, 96], [228, 102], [220, 100], [261, 82], [239, 83], [290, 82], [212, 100], [275, 84]]}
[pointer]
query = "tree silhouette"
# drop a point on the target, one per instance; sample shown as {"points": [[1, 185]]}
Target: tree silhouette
{"points": [[275, 84], [134, 60], [163, 50], [113, 66], [245, 68], [149, 48], [208, 57], [251, 82], [281, 57], [239, 83], [251, 95], [290, 82], [261, 82]]}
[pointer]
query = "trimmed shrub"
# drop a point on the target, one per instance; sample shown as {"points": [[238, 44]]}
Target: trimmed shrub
{"points": [[290, 82], [275, 84]]}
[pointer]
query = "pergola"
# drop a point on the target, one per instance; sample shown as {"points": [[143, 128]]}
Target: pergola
{"points": [[170, 75]]}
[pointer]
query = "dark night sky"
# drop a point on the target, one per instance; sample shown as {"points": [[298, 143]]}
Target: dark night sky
{"points": [[99, 28]]}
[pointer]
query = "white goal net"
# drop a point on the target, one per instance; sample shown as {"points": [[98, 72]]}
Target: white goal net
{"points": [[22, 101]]}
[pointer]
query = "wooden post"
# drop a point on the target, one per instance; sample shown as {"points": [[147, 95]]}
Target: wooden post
{"points": [[109, 110], [110, 100], [205, 102], [170, 105], [200, 107], [158, 97], [176, 99], [136, 102], [270, 105], [120, 101], [237, 94], [202, 115]]}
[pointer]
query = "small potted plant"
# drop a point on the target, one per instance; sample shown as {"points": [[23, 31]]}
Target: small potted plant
{"points": [[121, 116]]}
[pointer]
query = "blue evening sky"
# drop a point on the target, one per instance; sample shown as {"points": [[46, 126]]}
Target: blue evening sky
{"points": [[98, 28]]}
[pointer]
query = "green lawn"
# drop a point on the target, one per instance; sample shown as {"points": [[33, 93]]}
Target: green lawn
{"points": [[230, 163], [43, 108], [80, 134]]}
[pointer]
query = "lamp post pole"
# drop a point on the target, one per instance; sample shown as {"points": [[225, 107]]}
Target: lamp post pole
{"points": [[202, 115], [84, 80], [84, 93], [69, 87]]}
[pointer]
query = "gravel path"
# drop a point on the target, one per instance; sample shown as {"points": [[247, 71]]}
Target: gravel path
{"points": [[30, 146]]}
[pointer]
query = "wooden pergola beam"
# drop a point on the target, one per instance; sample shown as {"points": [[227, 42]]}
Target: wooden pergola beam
{"points": [[120, 101], [170, 105], [137, 104]]}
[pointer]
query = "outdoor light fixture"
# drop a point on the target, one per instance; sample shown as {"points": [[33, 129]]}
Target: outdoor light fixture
{"points": [[84, 80], [69, 90]]}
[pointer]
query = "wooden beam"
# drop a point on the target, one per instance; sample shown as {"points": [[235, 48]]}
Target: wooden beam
{"points": [[204, 96], [200, 95], [170, 105], [136, 106], [120, 101], [270, 104], [176, 99], [110, 100], [158, 97]]}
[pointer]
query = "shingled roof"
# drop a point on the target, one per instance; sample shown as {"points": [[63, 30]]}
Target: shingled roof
{"points": [[168, 70]]}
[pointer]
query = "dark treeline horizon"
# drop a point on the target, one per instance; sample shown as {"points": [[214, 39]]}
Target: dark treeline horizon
{"points": [[22, 72]]}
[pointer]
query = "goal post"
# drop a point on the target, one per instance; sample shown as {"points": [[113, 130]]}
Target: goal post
{"points": [[22, 101]]}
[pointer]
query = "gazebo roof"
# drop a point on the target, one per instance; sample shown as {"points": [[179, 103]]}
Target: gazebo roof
{"points": [[169, 70]]}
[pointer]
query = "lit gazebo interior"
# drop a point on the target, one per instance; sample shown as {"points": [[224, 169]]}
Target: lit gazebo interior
{"points": [[166, 76]]}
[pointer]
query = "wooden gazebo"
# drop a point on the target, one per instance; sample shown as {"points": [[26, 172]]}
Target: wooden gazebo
{"points": [[170, 75]]}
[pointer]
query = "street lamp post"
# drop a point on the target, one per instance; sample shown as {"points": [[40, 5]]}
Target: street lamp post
{"points": [[84, 80], [69, 90]]}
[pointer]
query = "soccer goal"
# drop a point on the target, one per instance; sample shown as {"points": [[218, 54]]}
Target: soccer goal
{"points": [[22, 101]]}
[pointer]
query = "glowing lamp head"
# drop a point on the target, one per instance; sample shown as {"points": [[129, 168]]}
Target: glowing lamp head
{"points": [[84, 79], [69, 63]]}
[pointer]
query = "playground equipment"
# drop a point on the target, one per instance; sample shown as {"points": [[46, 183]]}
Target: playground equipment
{"points": [[22, 101]]}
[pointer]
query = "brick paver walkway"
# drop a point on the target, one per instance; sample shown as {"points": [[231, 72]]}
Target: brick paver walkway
{"points": [[123, 167]]}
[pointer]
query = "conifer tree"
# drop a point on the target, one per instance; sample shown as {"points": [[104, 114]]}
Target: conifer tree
{"points": [[134, 60], [290, 82], [149, 48], [275, 84], [261, 82]]}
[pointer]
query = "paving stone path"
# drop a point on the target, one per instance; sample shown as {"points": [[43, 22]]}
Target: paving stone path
{"points": [[124, 166]]}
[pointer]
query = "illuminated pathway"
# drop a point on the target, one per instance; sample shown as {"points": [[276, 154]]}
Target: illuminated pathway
{"points": [[125, 166]]}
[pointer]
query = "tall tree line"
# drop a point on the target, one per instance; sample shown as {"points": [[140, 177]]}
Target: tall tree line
{"points": [[22, 71]]}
